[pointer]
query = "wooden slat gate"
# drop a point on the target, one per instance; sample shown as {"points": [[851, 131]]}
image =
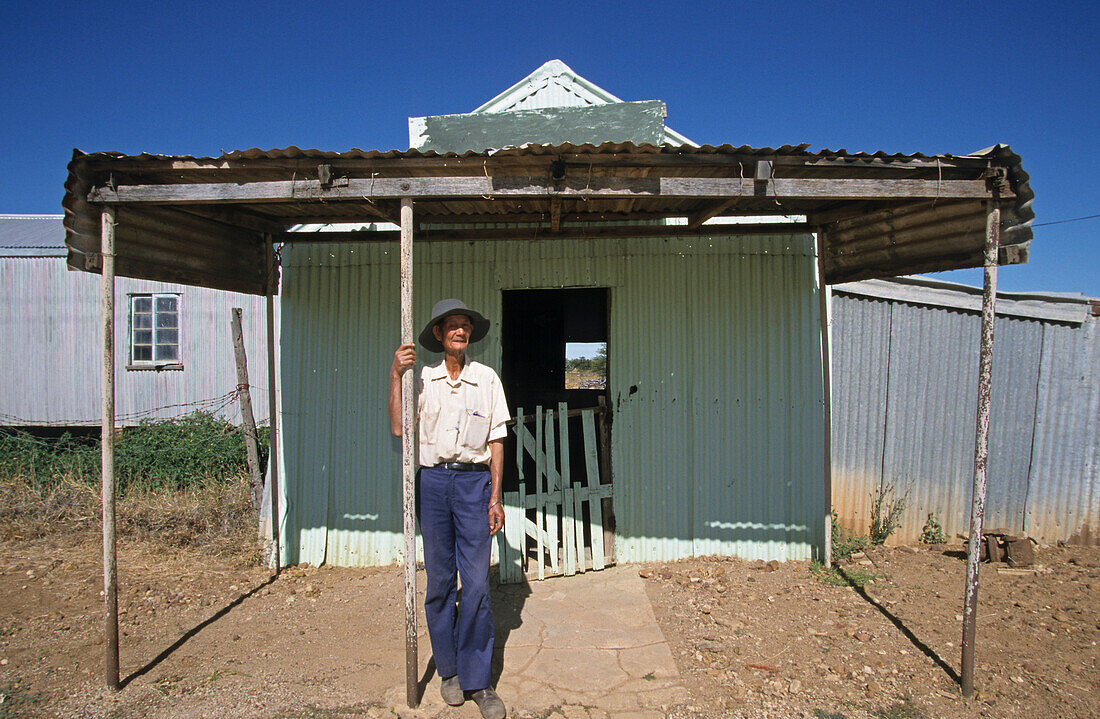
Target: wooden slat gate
{"points": [[547, 513]]}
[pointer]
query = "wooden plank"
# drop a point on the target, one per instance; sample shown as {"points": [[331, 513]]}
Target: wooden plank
{"points": [[521, 546], [532, 187], [532, 530], [568, 539], [568, 527], [578, 526], [540, 510], [521, 530], [604, 491], [553, 493], [512, 539], [570, 413], [592, 467], [555, 214], [695, 221]]}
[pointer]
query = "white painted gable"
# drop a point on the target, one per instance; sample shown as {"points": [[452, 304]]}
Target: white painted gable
{"points": [[553, 84]]}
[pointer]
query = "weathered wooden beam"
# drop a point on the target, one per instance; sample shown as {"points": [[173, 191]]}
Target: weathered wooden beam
{"points": [[566, 233], [512, 187], [308, 165], [697, 219], [555, 214]]}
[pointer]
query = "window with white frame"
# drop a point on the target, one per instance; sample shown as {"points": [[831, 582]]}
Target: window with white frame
{"points": [[154, 329]]}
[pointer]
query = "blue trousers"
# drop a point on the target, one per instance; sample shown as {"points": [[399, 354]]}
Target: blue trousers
{"points": [[453, 510]]}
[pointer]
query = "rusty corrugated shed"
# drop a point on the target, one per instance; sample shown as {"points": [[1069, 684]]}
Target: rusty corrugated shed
{"points": [[715, 383], [904, 397]]}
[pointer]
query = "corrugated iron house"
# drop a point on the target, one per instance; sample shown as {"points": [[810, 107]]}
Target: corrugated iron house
{"points": [[716, 382], [904, 389], [49, 329]]}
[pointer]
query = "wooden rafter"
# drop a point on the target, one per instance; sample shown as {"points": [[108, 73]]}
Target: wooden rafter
{"points": [[538, 187]]}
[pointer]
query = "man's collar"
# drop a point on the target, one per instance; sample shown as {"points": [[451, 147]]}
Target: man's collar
{"points": [[439, 371]]}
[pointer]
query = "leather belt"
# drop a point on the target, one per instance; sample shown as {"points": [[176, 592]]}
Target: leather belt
{"points": [[462, 467]]}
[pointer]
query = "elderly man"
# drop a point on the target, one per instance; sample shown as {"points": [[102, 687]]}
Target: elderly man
{"points": [[462, 412]]}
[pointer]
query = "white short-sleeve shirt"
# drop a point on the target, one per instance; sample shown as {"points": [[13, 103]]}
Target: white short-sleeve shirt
{"points": [[459, 417]]}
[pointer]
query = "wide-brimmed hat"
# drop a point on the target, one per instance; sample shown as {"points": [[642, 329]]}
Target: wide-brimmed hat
{"points": [[445, 308]]}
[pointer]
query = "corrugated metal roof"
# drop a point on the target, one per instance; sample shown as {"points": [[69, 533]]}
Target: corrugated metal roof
{"points": [[32, 236], [877, 233], [1054, 306]]}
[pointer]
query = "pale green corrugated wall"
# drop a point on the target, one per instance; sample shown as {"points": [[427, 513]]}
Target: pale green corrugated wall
{"points": [[718, 450]]}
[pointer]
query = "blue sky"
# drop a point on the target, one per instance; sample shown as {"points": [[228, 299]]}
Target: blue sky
{"points": [[201, 78]]}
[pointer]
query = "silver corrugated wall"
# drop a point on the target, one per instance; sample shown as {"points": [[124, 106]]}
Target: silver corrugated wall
{"points": [[50, 329], [715, 371], [904, 403]]}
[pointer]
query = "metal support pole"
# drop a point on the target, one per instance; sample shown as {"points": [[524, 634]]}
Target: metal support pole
{"points": [[981, 445], [272, 406], [107, 446], [827, 389], [408, 447]]}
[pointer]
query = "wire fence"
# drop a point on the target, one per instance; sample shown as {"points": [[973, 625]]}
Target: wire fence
{"points": [[174, 446], [213, 405]]}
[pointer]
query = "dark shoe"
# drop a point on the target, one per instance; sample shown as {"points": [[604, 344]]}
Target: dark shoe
{"points": [[489, 703], [451, 691]]}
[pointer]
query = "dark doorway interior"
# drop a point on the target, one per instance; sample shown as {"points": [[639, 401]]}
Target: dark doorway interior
{"points": [[536, 327]]}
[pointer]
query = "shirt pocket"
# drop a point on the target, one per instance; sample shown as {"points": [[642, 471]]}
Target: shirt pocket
{"points": [[474, 433], [428, 419]]}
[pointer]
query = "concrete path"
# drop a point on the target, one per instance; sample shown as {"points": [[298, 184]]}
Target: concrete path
{"points": [[583, 647]]}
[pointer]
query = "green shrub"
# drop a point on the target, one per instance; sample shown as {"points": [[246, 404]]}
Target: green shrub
{"points": [[932, 532], [174, 454], [886, 509], [846, 542]]}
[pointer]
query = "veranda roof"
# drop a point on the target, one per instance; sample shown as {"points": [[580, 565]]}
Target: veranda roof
{"points": [[207, 220]]}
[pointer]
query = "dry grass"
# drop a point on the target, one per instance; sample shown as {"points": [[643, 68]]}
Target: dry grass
{"points": [[217, 519]]}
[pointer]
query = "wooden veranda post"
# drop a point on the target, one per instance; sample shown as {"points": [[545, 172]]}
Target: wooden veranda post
{"points": [[408, 447], [981, 445], [248, 419], [107, 446], [272, 406], [827, 394]]}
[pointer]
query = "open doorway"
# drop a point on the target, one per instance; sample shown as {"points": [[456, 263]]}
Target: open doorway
{"points": [[555, 350], [546, 336]]}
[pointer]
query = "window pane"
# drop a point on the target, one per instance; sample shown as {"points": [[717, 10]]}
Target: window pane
{"points": [[142, 321], [143, 353], [143, 337], [166, 304], [168, 337], [167, 353], [166, 319], [143, 304]]}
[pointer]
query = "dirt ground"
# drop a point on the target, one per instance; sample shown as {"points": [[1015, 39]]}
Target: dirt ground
{"points": [[209, 637]]}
